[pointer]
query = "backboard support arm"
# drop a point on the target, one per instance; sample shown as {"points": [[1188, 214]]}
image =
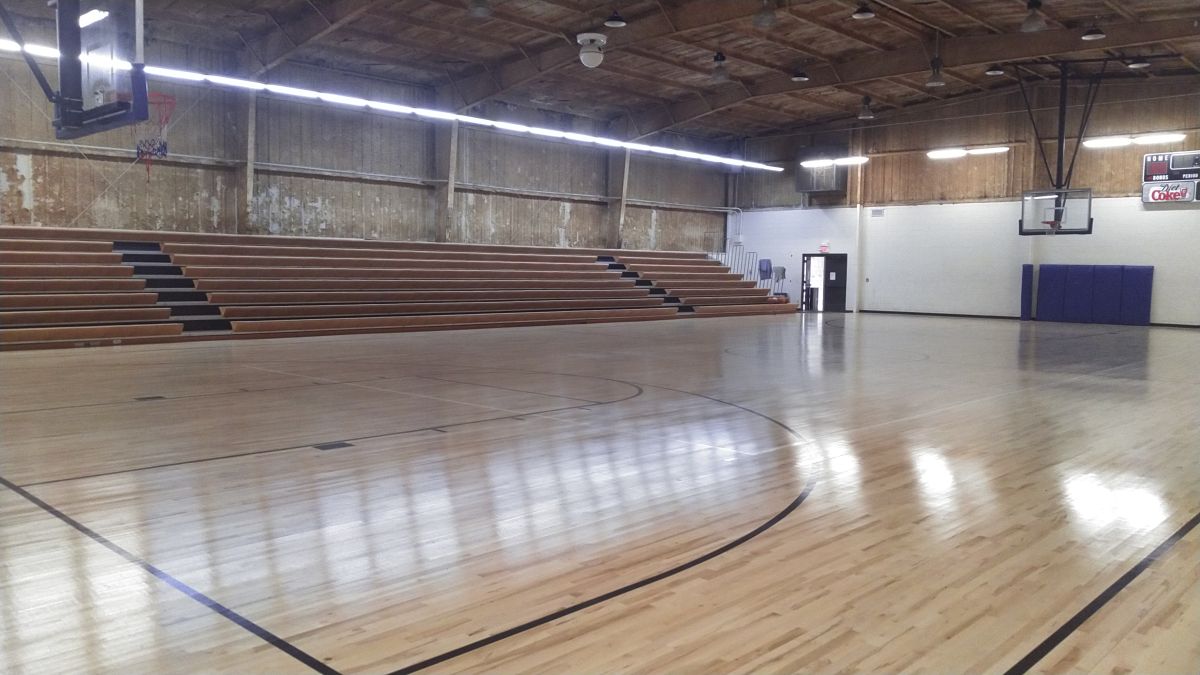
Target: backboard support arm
{"points": [[38, 75]]}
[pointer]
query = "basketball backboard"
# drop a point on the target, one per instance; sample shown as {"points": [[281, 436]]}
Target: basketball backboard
{"points": [[101, 67], [1067, 211]]}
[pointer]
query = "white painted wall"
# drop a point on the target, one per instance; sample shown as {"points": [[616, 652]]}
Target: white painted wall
{"points": [[944, 258], [1128, 232], [966, 258], [785, 235]]}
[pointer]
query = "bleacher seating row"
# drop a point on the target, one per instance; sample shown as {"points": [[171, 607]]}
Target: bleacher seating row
{"points": [[84, 286]]}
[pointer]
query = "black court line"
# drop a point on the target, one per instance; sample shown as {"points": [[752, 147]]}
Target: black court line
{"points": [[190, 396], [251, 453], [591, 602], [1064, 631], [520, 391], [266, 635]]}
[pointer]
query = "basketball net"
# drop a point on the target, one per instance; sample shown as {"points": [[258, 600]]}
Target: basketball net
{"points": [[151, 135]]}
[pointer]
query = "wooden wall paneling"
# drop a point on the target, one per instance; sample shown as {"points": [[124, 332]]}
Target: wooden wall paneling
{"points": [[671, 229]]}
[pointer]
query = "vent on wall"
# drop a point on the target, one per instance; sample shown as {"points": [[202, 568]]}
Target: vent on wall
{"points": [[821, 179], [876, 213]]}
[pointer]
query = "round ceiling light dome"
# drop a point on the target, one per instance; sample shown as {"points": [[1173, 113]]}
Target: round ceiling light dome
{"points": [[591, 48]]}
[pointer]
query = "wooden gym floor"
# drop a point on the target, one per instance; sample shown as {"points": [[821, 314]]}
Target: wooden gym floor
{"points": [[769, 495]]}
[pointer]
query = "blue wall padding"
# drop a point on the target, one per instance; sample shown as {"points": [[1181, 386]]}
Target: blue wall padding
{"points": [[1026, 292], [1077, 301], [1106, 293], [1052, 289], [1136, 283], [1089, 293]]}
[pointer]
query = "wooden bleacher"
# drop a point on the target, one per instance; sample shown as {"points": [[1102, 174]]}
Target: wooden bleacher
{"points": [[706, 286], [63, 287]]}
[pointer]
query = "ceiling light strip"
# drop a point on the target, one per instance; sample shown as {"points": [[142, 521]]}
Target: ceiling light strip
{"points": [[383, 106]]}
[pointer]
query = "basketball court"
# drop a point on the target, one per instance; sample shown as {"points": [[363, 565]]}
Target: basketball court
{"points": [[907, 382]]}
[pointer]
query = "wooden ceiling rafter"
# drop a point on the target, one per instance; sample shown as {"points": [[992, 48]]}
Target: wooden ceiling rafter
{"points": [[656, 23], [889, 17], [1130, 15], [956, 52], [383, 35], [1054, 17]]}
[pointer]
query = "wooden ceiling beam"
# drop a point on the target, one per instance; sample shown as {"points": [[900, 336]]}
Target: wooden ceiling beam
{"points": [[1130, 15], [880, 98], [388, 38], [658, 23], [735, 54], [453, 29], [912, 87], [504, 16], [811, 19], [974, 50], [889, 17], [820, 102], [288, 37], [970, 14], [705, 70], [806, 54], [651, 79], [912, 109]]}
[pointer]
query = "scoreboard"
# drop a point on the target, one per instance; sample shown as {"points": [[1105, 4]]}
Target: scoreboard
{"points": [[1170, 177]]}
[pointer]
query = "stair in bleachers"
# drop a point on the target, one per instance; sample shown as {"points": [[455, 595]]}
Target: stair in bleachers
{"points": [[163, 276], [704, 288], [66, 291], [266, 286]]}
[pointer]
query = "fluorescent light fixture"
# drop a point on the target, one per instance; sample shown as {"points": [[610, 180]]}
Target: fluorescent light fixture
{"points": [[1137, 63], [509, 126], [98, 59], [235, 82], [1092, 34], [816, 163], [991, 150], [477, 121], [946, 153], [1154, 139], [1108, 142], [90, 17], [172, 74], [851, 161], [289, 91], [343, 100], [435, 114], [390, 107], [1054, 196], [39, 50], [994, 70]]}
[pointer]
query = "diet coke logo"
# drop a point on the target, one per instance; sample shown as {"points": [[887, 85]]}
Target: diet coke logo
{"points": [[1175, 191], [1172, 192]]}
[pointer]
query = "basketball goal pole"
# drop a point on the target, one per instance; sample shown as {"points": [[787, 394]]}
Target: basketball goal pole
{"points": [[11, 26], [1060, 178]]}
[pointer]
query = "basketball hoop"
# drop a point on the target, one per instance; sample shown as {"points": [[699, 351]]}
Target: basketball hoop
{"points": [[151, 135]]}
